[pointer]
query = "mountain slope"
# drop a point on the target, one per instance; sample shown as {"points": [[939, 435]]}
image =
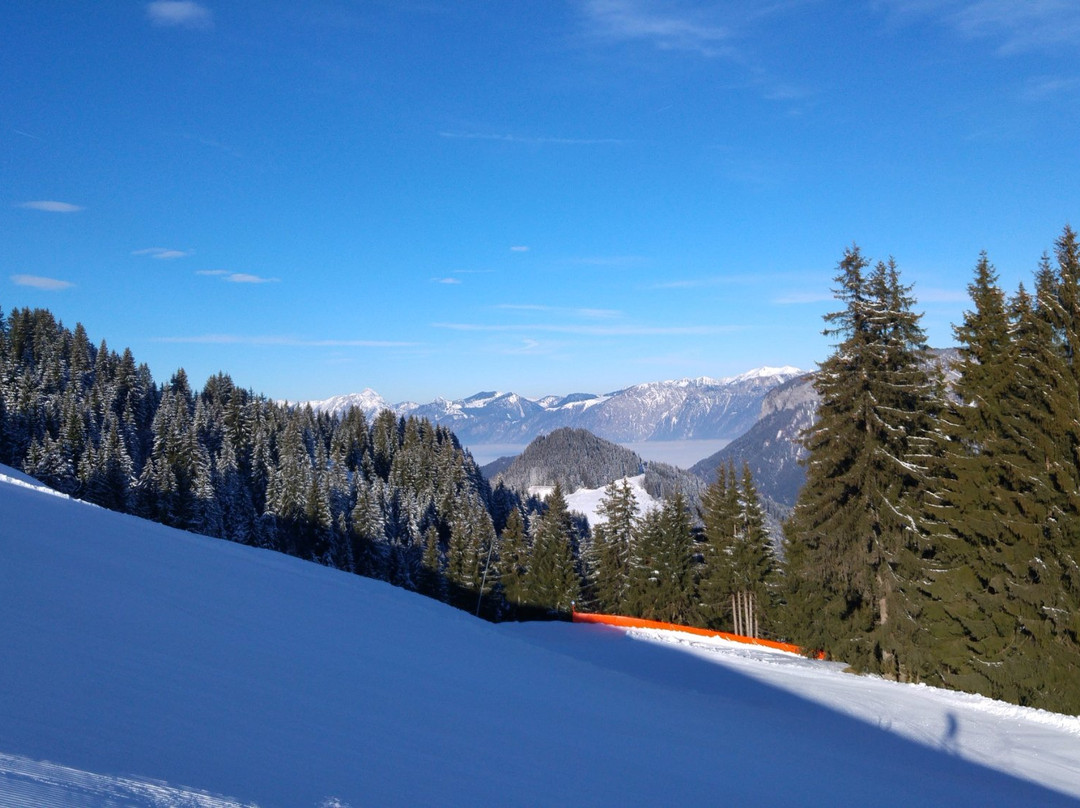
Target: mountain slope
{"points": [[573, 458], [771, 446], [672, 410], [577, 459], [148, 654]]}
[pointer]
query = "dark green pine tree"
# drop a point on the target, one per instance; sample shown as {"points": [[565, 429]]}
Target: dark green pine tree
{"points": [[644, 598], [753, 565], [432, 581], [514, 561], [854, 545], [675, 561], [469, 553], [661, 579], [612, 547], [368, 529], [965, 506], [551, 579], [1002, 611], [720, 525]]}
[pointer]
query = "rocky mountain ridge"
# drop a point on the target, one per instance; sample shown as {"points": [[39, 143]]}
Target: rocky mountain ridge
{"points": [[683, 409]]}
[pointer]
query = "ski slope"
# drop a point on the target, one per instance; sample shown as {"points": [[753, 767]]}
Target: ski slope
{"points": [[146, 666]]}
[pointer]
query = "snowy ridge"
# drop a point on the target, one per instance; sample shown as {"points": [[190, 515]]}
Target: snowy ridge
{"points": [[47, 785], [368, 401], [156, 657], [701, 408], [12, 477]]}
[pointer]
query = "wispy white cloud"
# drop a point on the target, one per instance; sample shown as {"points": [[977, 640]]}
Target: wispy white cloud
{"points": [[527, 347], [1043, 87], [708, 282], [591, 313], [663, 25], [592, 330], [1049, 26], [179, 14], [210, 143], [447, 281], [163, 253], [50, 206], [38, 282], [282, 341], [519, 248], [534, 140], [244, 277], [1033, 25], [729, 32], [236, 277]]}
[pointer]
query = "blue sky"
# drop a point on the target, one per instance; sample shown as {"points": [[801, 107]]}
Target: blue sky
{"points": [[437, 197]]}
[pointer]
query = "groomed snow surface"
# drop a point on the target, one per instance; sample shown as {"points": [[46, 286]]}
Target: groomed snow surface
{"points": [[140, 665]]}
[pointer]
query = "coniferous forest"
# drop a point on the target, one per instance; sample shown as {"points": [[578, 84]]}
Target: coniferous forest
{"points": [[936, 539]]}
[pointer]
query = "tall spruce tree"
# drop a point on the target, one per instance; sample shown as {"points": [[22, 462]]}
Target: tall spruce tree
{"points": [[736, 581], [854, 546], [612, 547], [719, 517], [551, 579], [514, 561], [661, 577]]}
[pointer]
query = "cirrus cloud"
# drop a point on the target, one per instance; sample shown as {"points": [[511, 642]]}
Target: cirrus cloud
{"points": [[39, 282], [163, 253], [271, 340], [245, 277], [50, 206], [236, 277], [179, 14]]}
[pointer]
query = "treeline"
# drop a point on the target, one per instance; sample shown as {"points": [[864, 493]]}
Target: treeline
{"points": [[717, 571], [395, 499], [937, 537]]}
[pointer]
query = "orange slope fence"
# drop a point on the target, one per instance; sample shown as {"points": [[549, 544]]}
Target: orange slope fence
{"points": [[637, 622]]}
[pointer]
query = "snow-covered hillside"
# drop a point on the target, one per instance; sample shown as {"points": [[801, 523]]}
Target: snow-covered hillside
{"points": [[146, 666], [586, 501]]}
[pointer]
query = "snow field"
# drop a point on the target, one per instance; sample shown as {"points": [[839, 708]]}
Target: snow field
{"points": [[135, 653]]}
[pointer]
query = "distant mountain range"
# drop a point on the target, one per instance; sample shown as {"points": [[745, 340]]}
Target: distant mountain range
{"points": [[685, 409]]}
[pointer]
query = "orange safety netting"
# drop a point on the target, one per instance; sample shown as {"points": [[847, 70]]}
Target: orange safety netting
{"points": [[637, 622]]}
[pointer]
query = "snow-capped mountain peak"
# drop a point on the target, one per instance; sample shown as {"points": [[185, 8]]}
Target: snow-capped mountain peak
{"points": [[698, 408]]}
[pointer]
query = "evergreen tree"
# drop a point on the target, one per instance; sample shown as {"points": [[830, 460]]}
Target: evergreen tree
{"points": [[432, 580], [661, 577], [753, 566], [551, 580], [854, 545], [514, 561], [613, 541], [719, 517]]}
